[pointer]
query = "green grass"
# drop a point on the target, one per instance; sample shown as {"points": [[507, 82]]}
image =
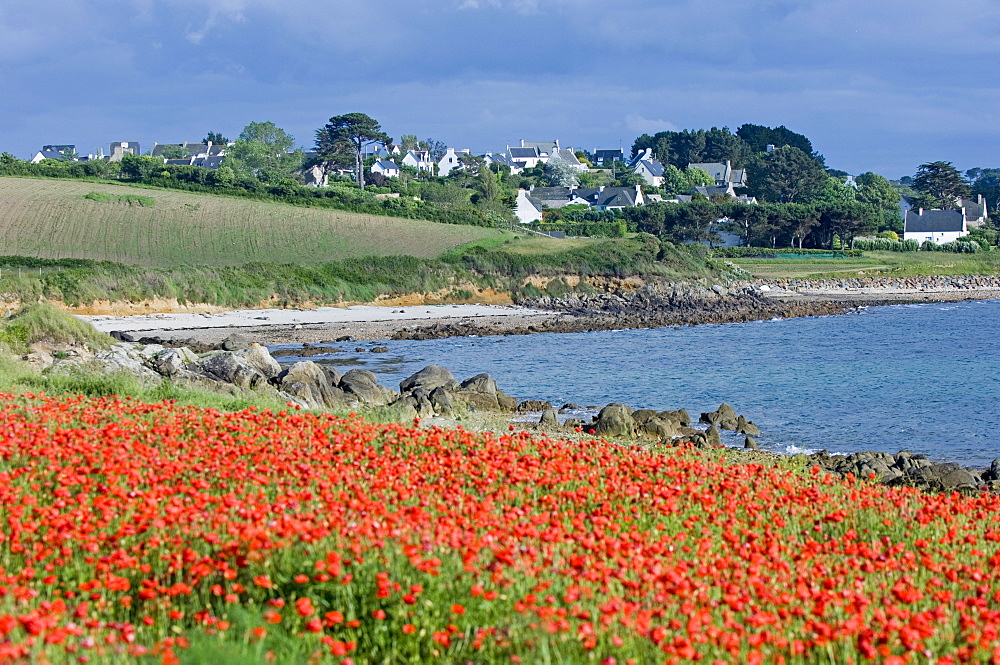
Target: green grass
{"points": [[891, 264], [42, 322], [59, 219]]}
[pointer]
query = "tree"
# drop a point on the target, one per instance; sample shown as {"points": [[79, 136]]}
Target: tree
{"points": [[758, 137], [262, 152], [215, 138], [356, 130], [987, 184], [786, 175], [560, 173], [436, 148], [68, 155], [941, 184], [837, 192], [411, 142]]}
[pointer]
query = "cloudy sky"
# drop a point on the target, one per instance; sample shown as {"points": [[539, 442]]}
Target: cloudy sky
{"points": [[879, 85]]}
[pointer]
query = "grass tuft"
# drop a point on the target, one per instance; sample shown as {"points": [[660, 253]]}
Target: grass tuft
{"points": [[43, 322]]}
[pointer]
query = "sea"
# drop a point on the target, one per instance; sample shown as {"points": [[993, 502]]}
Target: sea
{"points": [[923, 378]]}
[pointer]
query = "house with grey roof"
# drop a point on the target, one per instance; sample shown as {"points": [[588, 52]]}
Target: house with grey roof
{"points": [[723, 173], [386, 167], [53, 152], [451, 160], [525, 209], [651, 171], [502, 159], [938, 226], [119, 148], [421, 160], [976, 212], [569, 156], [606, 157], [525, 158]]}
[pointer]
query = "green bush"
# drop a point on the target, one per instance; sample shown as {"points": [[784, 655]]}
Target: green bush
{"points": [[886, 245], [767, 252]]}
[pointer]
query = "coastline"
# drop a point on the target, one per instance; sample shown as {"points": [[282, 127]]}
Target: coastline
{"points": [[650, 307]]}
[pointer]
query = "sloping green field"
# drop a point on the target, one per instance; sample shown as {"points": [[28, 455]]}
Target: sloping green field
{"points": [[53, 219]]}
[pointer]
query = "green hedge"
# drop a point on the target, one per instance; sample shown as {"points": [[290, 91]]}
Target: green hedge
{"points": [[768, 252], [886, 245]]}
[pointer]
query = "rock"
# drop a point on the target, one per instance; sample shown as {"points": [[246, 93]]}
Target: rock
{"points": [[724, 414], [680, 416], [644, 415], [364, 385], [744, 426], [531, 405], [429, 378], [573, 423], [235, 342], [379, 349], [568, 406], [994, 472], [658, 428], [549, 418], [441, 401], [482, 392], [228, 367], [261, 359], [615, 420], [402, 410], [309, 381], [750, 444], [712, 436], [170, 362]]}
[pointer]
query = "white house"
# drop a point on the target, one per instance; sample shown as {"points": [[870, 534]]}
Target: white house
{"points": [[651, 171], [938, 226], [525, 209], [386, 167], [502, 159], [419, 159], [723, 173], [53, 152], [450, 160]]}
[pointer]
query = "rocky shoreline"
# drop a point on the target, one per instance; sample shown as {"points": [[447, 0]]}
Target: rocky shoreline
{"points": [[242, 368], [652, 305]]}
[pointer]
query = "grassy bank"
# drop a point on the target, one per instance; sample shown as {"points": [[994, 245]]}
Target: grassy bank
{"points": [[890, 264], [501, 264]]}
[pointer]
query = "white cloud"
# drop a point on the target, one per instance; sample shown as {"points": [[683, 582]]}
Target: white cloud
{"points": [[641, 125]]}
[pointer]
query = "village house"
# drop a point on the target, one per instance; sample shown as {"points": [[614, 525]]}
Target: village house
{"points": [[53, 152], [938, 226], [722, 173], [451, 160], [502, 159], [606, 157], [118, 149], [421, 160], [531, 203], [385, 167]]}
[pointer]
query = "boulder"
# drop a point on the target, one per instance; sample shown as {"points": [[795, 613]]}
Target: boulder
{"points": [[308, 381], [549, 418], [679, 416], [235, 342], [994, 472], [644, 415], [750, 444], [171, 362], [481, 392], [429, 378], [615, 420], [364, 386], [712, 436], [744, 426], [403, 410], [658, 428], [228, 367], [442, 402], [724, 414], [260, 358], [532, 405]]}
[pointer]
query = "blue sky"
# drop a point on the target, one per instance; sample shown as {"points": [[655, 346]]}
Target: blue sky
{"points": [[881, 85]]}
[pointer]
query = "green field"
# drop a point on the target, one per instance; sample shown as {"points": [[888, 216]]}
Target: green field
{"points": [[53, 219], [892, 264]]}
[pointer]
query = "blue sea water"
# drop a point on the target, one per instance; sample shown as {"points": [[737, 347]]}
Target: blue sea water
{"points": [[924, 378]]}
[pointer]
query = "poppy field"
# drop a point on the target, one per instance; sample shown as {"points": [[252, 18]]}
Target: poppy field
{"points": [[134, 532]]}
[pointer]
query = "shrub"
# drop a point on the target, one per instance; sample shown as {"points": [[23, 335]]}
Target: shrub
{"points": [[44, 322]]}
